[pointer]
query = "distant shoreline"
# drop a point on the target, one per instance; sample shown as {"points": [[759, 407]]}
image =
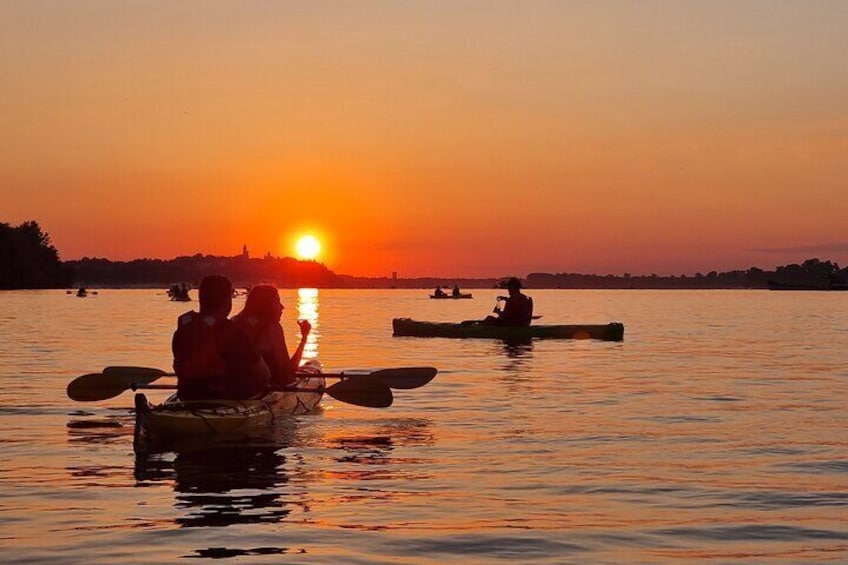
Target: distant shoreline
{"points": [[292, 273], [31, 262]]}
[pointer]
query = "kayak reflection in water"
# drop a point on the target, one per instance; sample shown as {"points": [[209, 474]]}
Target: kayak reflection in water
{"points": [[260, 318], [517, 309]]}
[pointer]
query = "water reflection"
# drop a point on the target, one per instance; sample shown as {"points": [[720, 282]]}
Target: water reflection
{"points": [[218, 480], [221, 481], [370, 455], [93, 429], [97, 428], [307, 309], [518, 348], [223, 486], [518, 354]]}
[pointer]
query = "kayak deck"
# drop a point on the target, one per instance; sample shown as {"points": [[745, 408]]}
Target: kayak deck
{"points": [[176, 418], [613, 331]]}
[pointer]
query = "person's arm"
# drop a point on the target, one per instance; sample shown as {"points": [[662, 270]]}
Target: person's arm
{"points": [[517, 311], [285, 366], [498, 311], [509, 310], [305, 328]]}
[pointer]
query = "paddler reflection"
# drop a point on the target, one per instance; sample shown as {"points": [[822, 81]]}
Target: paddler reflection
{"points": [[226, 482]]}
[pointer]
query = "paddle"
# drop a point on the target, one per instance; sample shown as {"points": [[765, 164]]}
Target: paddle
{"points": [[497, 309], [361, 391], [405, 378], [97, 386]]}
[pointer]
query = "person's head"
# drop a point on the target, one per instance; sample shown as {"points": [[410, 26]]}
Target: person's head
{"points": [[263, 303], [513, 285], [216, 296]]}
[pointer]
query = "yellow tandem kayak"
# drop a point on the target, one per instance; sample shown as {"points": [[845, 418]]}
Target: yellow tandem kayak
{"points": [[178, 419]]}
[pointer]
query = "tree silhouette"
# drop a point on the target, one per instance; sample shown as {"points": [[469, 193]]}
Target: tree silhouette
{"points": [[28, 259]]}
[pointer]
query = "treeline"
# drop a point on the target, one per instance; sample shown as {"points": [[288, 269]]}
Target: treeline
{"points": [[283, 272], [29, 260], [348, 281], [810, 272]]}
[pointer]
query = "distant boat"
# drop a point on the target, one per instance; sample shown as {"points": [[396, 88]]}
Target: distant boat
{"points": [[179, 292], [613, 331], [775, 285], [450, 296]]}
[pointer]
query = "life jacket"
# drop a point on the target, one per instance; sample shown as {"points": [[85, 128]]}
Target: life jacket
{"points": [[200, 368]]}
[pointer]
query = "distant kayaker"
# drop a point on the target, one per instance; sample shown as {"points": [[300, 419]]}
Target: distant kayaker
{"points": [[456, 291], [517, 309], [213, 357], [439, 292], [260, 318]]}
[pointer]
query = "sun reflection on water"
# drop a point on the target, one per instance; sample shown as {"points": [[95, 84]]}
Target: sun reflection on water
{"points": [[307, 309]]}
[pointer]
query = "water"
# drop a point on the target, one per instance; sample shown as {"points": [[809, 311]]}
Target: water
{"points": [[716, 432]]}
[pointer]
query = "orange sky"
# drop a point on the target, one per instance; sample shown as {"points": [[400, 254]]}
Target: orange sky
{"points": [[459, 138]]}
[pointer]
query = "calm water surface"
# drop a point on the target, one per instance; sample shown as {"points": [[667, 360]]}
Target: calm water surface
{"points": [[716, 432]]}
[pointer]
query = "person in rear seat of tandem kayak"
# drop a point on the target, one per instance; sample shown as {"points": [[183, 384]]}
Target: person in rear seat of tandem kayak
{"points": [[213, 357], [260, 318], [517, 309]]}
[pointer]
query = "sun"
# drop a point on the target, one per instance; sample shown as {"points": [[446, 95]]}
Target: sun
{"points": [[308, 247]]}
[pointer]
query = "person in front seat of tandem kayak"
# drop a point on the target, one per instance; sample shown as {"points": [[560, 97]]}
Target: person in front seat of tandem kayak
{"points": [[517, 309], [213, 357], [260, 318]]}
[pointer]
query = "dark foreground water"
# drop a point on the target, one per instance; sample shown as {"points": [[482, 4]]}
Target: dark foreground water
{"points": [[716, 432]]}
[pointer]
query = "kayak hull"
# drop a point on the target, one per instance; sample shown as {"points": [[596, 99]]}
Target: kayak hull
{"points": [[175, 419], [613, 331], [450, 296]]}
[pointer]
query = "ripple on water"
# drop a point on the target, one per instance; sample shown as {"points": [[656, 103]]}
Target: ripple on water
{"points": [[504, 547], [759, 532]]}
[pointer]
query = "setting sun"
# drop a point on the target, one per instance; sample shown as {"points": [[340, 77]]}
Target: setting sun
{"points": [[308, 247]]}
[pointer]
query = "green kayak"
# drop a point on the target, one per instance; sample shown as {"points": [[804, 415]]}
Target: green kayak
{"points": [[613, 331]]}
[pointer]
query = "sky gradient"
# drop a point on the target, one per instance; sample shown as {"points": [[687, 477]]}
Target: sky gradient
{"points": [[432, 138]]}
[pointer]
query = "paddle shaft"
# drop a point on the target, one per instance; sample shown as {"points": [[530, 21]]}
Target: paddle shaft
{"points": [[281, 389], [325, 375], [370, 393], [401, 377], [371, 389]]}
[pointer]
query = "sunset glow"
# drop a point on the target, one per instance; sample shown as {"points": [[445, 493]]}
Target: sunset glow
{"points": [[470, 140]]}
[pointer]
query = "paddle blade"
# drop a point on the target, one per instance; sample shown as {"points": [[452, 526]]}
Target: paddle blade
{"points": [[405, 377], [95, 386], [362, 391]]}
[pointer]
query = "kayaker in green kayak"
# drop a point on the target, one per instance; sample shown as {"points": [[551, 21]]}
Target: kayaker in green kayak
{"points": [[517, 309], [213, 357], [260, 318]]}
